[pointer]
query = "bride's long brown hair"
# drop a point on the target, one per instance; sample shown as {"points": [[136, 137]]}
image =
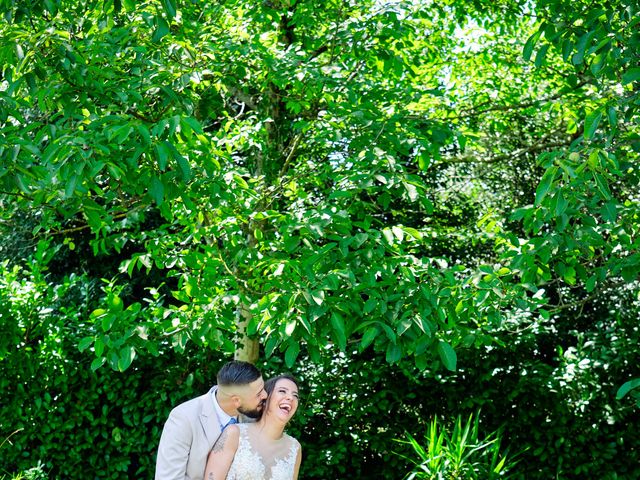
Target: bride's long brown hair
{"points": [[270, 384]]}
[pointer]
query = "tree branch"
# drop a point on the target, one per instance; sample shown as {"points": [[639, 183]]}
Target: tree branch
{"points": [[292, 150], [539, 147], [581, 303], [515, 106]]}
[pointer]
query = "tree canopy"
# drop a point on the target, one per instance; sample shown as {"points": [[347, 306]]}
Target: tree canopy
{"points": [[415, 180]]}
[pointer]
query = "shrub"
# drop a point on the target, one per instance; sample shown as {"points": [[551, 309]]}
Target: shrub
{"points": [[461, 454]]}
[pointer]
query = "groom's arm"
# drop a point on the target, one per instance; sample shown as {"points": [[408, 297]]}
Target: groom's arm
{"points": [[174, 448]]}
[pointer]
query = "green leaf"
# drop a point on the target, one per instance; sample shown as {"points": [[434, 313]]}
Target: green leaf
{"points": [[612, 116], [97, 363], [394, 353], [185, 168], [307, 326], [629, 273], [127, 354], [598, 63], [570, 275], [591, 123], [469, 340], [447, 355], [162, 154], [107, 321], [422, 362], [413, 232], [169, 8], [318, 297], [424, 160], [593, 161], [241, 182], [627, 387], [581, 47], [270, 345], [70, 188], [339, 331], [391, 335], [370, 305], [368, 337], [130, 265], [520, 213], [561, 203], [162, 29], [530, 44], [567, 48], [84, 343], [179, 341], [193, 123], [157, 191], [424, 342], [144, 133], [51, 6], [290, 327], [291, 354], [99, 345], [404, 325], [631, 75], [129, 5], [545, 184], [610, 212], [602, 184], [541, 55]]}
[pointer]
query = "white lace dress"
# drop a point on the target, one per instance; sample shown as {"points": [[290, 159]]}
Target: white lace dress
{"points": [[249, 462]]}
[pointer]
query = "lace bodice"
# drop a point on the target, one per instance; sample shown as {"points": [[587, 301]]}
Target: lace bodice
{"points": [[251, 464]]}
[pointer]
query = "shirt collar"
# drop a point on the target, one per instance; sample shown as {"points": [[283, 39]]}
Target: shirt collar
{"points": [[223, 417]]}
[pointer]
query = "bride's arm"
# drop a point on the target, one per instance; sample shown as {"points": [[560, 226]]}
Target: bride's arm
{"points": [[222, 453], [298, 461]]}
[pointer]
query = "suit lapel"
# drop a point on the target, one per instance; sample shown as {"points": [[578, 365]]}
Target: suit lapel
{"points": [[209, 418]]}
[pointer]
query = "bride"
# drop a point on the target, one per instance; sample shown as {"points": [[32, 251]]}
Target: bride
{"points": [[260, 450]]}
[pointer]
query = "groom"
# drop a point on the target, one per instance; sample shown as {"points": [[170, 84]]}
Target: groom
{"points": [[194, 426]]}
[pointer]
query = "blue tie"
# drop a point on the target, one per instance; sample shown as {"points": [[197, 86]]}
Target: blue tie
{"points": [[230, 422]]}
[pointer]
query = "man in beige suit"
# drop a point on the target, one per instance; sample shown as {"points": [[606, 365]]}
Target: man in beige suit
{"points": [[194, 426]]}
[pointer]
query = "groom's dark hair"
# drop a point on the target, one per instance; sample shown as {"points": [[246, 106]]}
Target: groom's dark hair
{"points": [[237, 372]]}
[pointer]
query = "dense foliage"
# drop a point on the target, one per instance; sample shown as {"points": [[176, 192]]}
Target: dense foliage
{"points": [[422, 208]]}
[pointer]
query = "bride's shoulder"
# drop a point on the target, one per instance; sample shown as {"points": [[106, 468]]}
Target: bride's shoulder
{"points": [[231, 433], [228, 439], [293, 440]]}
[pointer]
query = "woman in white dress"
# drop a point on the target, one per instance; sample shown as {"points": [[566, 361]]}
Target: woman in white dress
{"points": [[260, 450]]}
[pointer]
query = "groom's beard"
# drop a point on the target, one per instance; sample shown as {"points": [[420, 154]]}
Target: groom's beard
{"points": [[255, 413]]}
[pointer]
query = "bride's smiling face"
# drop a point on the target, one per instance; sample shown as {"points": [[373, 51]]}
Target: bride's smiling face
{"points": [[283, 401]]}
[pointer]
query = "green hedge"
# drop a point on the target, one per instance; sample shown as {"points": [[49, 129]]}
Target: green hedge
{"points": [[552, 392]]}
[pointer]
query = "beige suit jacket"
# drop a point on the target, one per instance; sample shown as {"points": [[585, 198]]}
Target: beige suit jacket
{"points": [[187, 438]]}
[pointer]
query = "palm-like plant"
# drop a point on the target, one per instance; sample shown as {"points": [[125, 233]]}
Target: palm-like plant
{"points": [[462, 454], [35, 473]]}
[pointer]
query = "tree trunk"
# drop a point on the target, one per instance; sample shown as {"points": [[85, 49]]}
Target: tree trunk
{"points": [[247, 349], [278, 138]]}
